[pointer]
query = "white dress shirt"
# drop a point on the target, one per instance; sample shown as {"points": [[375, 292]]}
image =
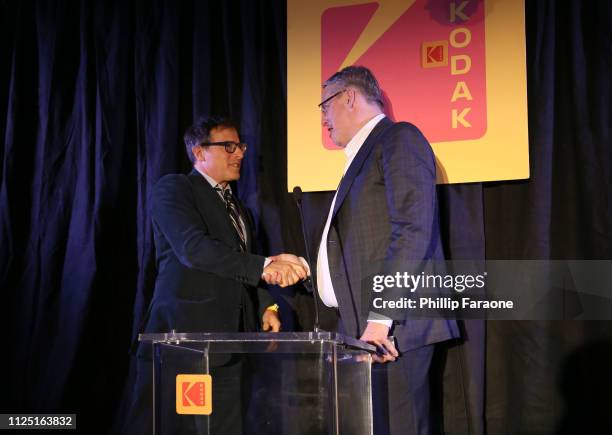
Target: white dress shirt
{"points": [[324, 281]]}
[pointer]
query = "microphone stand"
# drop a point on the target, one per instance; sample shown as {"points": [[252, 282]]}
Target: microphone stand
{"points": [[297, 196]]}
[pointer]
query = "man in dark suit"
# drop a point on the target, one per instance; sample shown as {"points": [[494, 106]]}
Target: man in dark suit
{"points": [[384, 215], [208, 278]]}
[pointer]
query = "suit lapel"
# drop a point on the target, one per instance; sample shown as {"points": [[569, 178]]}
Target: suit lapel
{"points": [[358, 161]]}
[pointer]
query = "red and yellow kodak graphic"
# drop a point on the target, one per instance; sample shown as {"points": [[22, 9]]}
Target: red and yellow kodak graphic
{"points": [[430, 61], [456, 69], [194, 394]]}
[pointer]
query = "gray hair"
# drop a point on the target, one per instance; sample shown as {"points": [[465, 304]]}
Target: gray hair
{"points": [[361, 78]]}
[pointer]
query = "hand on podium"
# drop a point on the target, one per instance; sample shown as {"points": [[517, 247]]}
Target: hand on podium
{"points": [[376, 334]]}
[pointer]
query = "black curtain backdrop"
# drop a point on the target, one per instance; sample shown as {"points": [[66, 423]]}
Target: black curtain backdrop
{"points": [[94, 97]]}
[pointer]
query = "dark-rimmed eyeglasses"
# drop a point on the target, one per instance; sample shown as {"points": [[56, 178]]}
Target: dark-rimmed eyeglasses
{"points": [[230, 146], [323, 104]]}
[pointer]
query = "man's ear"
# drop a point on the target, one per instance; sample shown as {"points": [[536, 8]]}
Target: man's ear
{"points": [[198, 153], [351, 95]]}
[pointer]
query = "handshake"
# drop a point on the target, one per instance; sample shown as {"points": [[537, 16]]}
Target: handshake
{"points": [[285, 270]]}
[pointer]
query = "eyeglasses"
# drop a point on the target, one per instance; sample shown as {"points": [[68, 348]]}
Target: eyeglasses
{"points": [[323, 104], [230, 147]]}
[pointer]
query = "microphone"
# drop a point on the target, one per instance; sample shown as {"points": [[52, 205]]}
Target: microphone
{"points": [[297, 196]]}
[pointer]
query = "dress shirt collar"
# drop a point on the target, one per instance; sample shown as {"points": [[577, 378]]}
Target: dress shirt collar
{"points": [[212, 181], [354, 145]]}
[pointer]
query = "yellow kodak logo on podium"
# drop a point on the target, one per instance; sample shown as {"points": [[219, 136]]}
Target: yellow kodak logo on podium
{"points": [[194, 394]]}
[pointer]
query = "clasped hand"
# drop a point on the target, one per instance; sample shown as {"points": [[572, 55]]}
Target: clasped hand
{"points": [[285, 270]]}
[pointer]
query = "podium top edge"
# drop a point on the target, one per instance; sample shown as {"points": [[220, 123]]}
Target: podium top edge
{"points": [[322, 336]]}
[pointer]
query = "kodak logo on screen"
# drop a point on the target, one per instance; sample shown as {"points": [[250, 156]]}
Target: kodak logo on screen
{"points": [[434, 54], [194, 394], [428, 55]]}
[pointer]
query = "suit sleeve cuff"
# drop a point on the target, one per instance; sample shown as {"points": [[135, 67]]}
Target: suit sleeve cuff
{"points": [[379, 318]]}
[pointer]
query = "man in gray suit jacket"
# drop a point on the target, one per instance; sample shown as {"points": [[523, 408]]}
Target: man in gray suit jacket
{"points": [[384, 215]]}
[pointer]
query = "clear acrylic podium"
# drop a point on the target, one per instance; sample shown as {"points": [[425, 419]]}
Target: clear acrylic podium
{"points": [[297, 382]]}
